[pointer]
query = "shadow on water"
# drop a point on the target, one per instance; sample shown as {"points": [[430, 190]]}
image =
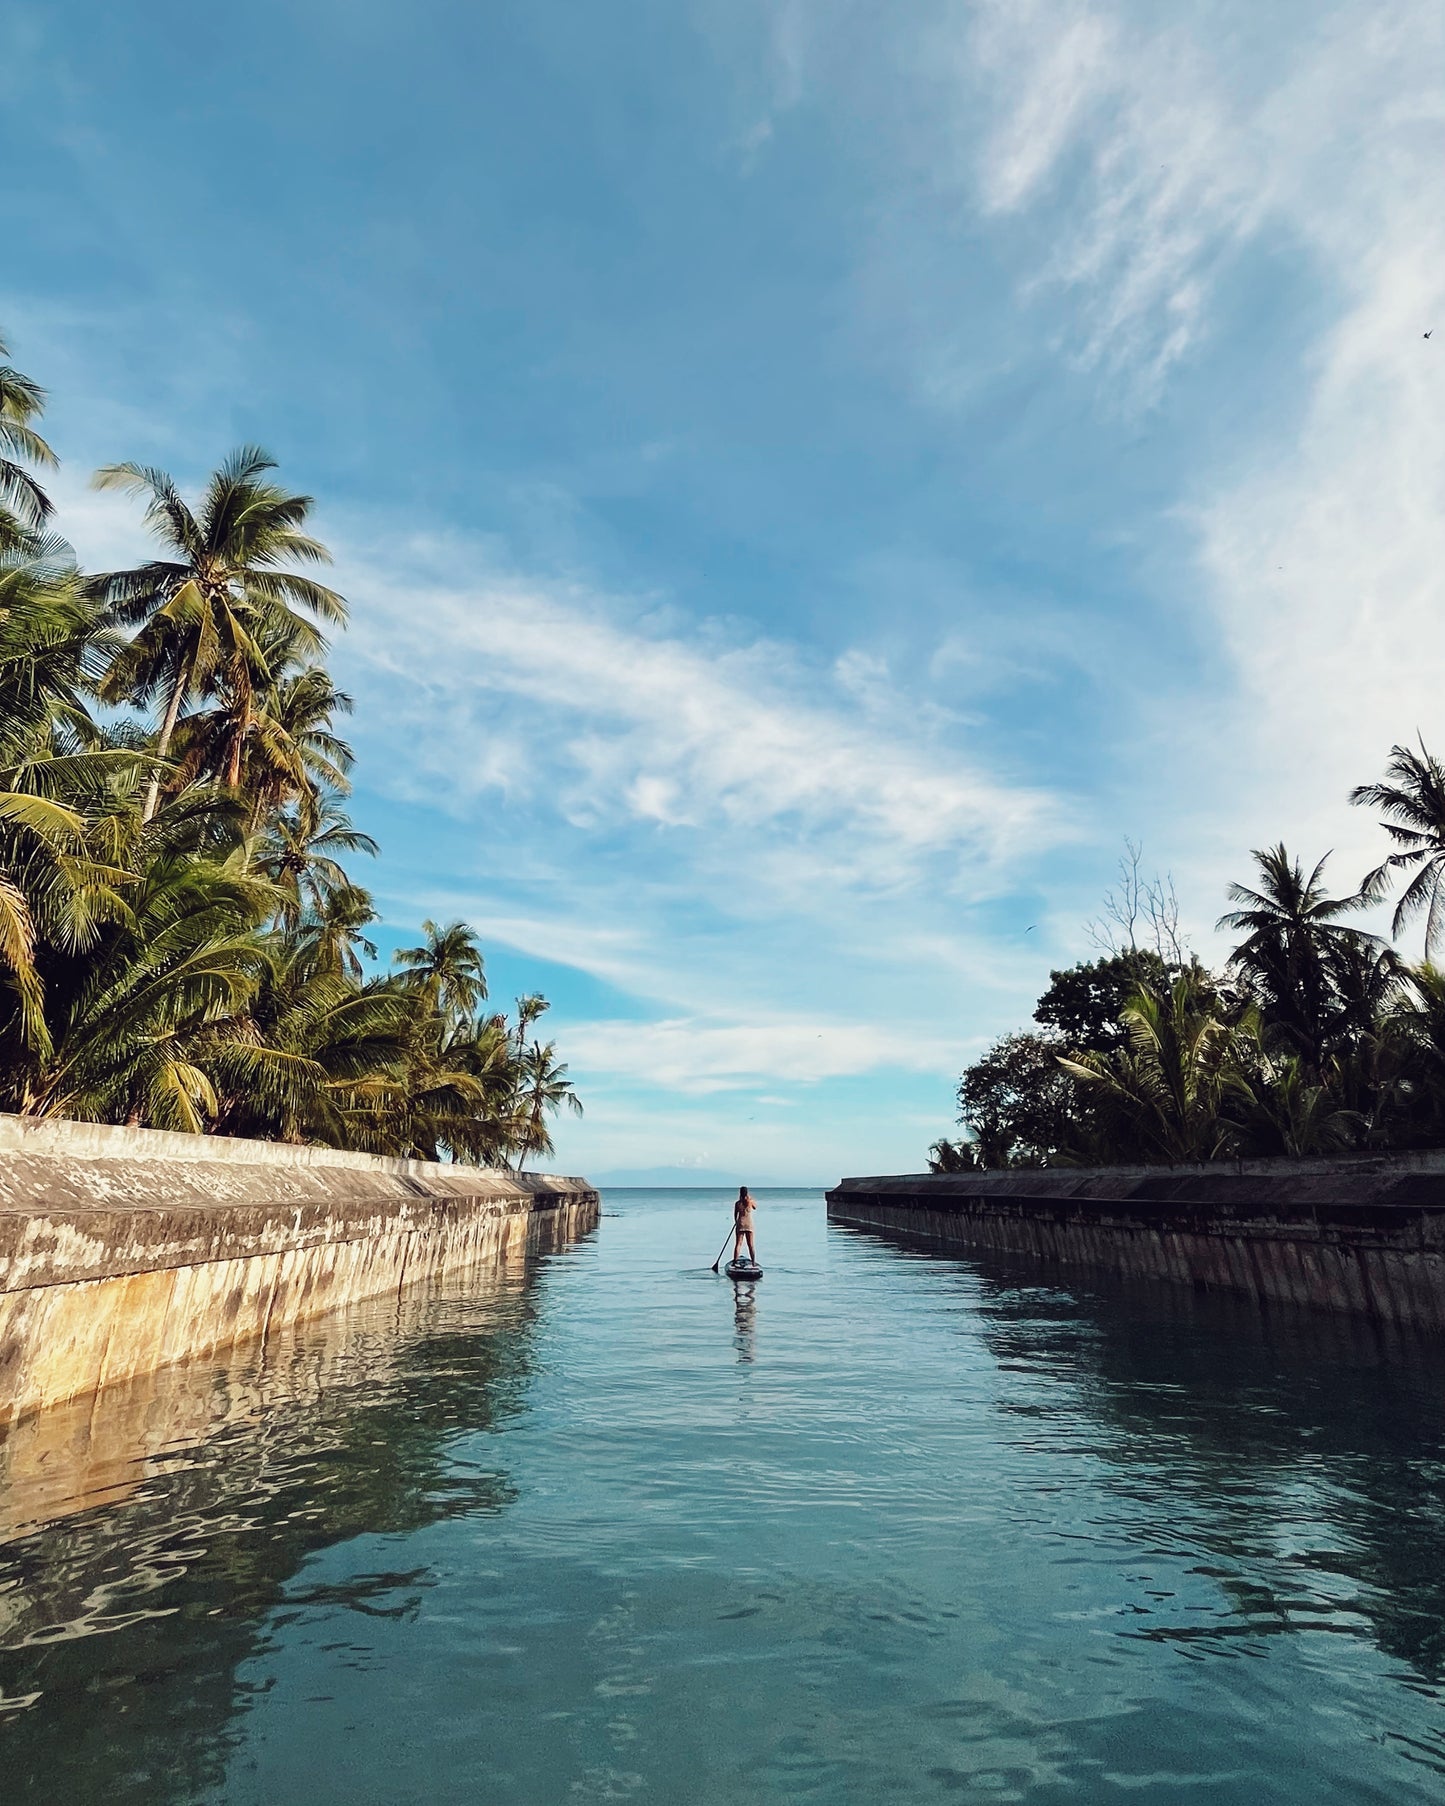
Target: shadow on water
{"points": [[1298, 1457], [147, 1533]]}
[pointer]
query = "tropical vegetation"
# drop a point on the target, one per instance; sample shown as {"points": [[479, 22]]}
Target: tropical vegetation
{"points": [[1317, 1036], [182, 945]]}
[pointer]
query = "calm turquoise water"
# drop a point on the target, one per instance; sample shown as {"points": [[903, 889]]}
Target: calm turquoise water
{"points": [[895, 1527]]}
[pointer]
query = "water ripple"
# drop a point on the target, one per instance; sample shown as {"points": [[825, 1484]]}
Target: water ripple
{"points": [[887, 1526]]}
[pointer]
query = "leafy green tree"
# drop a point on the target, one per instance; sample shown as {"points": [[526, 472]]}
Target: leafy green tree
{"points": [[181, 944], [58, 876], [290, 754], [1369, 980], [530, 1009], [129, 1020], [1018, 1104], [312, 1054], [451, 1097], [333, 934], [953, 1157], [447, 969], [1281, 1106], [1084, 1004], [1405, 1086]]}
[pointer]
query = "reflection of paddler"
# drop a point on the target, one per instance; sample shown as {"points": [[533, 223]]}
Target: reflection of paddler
{"points": [[745, 1311], [743, 1224]]}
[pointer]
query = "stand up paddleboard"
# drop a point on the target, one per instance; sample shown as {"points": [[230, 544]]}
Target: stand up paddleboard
{"points": [[743, 1269]]}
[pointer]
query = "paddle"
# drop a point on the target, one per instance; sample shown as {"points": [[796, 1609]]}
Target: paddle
{"points": [[722, 1251]]}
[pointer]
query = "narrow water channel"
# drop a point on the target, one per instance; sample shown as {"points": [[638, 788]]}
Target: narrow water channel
{"points": [[893, 1526]]}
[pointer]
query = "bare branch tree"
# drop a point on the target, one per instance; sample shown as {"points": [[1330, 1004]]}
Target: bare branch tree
{"points": [[1161, 912], [1115, 931], [1140, 911]]}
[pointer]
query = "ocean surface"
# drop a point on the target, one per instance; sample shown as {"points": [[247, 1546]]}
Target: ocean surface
{"points": [[889, 1526]]}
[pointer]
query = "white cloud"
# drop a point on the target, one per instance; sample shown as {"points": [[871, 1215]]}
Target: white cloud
{"points": [[1124, 159], [1325, 568], [1154, 150], [756, 844], [554, 695], [1068, 62], [1120, 155], [106, 528], [699, 1057], [1321, 544], [618, 953]]}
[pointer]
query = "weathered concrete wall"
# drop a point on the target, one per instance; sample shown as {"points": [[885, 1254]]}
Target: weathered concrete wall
{"points": [[1364, 1234], [300, 1383], [124, 1249]]}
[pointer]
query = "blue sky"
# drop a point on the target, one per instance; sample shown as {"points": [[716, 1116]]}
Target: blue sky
{"points": [[810, 478]]}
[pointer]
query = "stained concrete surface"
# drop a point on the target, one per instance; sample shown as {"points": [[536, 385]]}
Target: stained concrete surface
{"points": [[1363, 1234], [122, 1250]]}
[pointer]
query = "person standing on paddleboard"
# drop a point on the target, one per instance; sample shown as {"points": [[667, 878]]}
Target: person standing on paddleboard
{"points": [[743, 1225]]}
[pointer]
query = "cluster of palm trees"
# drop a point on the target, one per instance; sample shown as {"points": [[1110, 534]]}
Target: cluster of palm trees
{"points": [[180, 943], [1317, 1037]]}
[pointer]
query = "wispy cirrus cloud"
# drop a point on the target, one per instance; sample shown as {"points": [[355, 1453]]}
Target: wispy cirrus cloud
{"points": [[1114, 159], [697, 1057], [1319, 540], [1135, 173], [749, 843], [630, 722], [1157, 155]]}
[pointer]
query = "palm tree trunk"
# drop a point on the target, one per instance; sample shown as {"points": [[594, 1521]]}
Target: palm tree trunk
{"points": [[238, 743], [258, 808], [530, 1145], [163, 744]]}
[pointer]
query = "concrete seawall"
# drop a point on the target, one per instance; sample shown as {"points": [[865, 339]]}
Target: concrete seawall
{"points": [[1362, 1234], [122, 1250]]}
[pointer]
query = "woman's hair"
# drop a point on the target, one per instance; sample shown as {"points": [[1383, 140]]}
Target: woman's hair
{"points": [[742, 1191]]}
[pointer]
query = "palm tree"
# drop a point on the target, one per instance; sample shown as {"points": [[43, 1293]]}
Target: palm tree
{"points": [[1287, 1109], [1295, 942], [180, 942], [447, 969], [530, 1009], [544, 1089], [204, 612], [946, 1156], [1412, 801], [443, 1098], [24, 505], [334, 935], [293, 754], [1168, 1086], [288, 751], [130, 1021], [298, 854], [315, 1054], [56, 787], [483, 1049]]}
